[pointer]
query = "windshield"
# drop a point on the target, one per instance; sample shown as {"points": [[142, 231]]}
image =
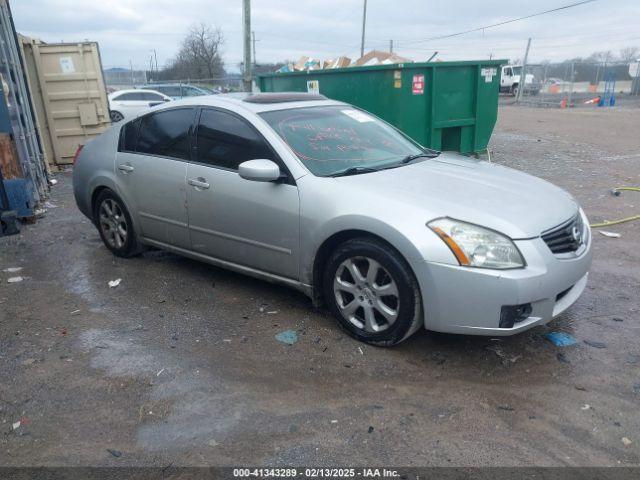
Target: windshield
{"points": [[334, 138], [517, 70]]}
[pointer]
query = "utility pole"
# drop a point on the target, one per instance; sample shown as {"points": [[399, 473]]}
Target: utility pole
{"points": [[131, 69], [523, 76], [253, 39], [155, 56], [246, 16], [570, 99], [391, 46], [364, 22]]}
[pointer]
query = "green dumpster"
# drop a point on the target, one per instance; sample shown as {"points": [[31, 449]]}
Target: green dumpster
{"points": [[442, 105]]}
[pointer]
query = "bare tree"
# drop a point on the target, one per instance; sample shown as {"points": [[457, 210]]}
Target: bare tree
{"points": [[199, 54], [600, 57], [629, 54]]}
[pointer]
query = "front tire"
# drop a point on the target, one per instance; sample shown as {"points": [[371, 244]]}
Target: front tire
{"points": [[115, 116], [115, 226], [372, 292]]}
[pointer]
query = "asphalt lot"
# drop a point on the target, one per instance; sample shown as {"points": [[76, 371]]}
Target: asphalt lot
{"points": [[179, 364]]}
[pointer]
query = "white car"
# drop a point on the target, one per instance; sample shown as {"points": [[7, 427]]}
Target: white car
{"points": [[127, 103]]}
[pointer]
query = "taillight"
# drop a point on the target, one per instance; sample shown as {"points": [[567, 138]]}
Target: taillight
{"points": [[75, 157]]}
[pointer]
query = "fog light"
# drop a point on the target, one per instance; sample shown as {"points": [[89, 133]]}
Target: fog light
{"points": [[512, 314]]}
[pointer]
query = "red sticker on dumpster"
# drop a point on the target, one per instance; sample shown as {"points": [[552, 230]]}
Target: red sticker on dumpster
{"points": [[418, 84]]}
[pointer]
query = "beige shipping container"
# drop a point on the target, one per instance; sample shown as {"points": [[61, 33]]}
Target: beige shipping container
{"points": [[68, 93]]}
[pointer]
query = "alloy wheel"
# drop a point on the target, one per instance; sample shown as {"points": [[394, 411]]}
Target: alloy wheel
{"points": [[366, 294], [113, 223]]}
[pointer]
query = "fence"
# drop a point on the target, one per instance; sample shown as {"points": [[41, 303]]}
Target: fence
{"points": [[581, 83], [121, 78]]}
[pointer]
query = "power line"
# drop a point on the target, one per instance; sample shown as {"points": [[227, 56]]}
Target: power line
{"points": [[542, 43], [478, 29]]}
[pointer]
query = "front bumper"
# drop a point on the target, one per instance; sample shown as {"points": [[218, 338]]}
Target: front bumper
{"points": [[469, 300]]}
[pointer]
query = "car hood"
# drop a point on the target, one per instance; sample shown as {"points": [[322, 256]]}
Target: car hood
{"points": [[506, 200]]}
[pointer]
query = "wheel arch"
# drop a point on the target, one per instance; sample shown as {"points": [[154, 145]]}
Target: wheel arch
{"points": [[331, 243], [94, 196], [106, 183]]}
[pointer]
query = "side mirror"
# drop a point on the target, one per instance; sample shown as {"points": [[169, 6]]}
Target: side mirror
{"points": [[259, 170]]}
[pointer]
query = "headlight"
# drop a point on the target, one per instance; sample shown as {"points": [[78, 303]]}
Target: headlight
{"points": [[475, 246]]}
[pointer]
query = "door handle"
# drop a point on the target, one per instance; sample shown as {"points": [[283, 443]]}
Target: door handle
{"points": [[125, 168], [200, 183]]}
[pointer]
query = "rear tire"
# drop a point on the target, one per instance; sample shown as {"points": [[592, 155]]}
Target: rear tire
{"points": [[114, 224], [372, 292]]}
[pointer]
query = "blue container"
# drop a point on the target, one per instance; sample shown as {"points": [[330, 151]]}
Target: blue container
{"points": [[21, 195]]}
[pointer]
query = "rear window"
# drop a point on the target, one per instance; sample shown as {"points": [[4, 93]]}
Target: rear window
{"points": [[169, 90], [130, 96]]}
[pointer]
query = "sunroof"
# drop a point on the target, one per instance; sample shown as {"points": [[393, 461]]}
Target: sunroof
{"points": [[283, 97]]}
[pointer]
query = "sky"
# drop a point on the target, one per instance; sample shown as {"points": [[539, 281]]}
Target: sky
{"points": [[129, 30]]}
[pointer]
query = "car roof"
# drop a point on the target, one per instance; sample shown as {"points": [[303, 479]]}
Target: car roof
{"points": [[257, 102], [128, 90], [136, 90], [174, 84]]}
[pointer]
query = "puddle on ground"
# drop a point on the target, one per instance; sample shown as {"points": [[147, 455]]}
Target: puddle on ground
{"points": [[201, 408]]}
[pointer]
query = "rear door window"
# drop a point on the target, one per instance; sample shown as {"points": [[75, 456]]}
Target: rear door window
{"points": [[166, 133], [129, 136], [225, 140]]}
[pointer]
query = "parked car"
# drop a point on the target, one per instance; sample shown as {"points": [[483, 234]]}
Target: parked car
{"points": [[328, 199], [178, 91], [127, 103]]}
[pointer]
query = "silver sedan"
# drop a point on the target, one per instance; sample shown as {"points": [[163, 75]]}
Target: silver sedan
{"points": [[328, 199]]}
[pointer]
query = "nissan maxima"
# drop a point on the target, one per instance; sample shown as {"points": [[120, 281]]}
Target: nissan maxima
{"points": [[328, 199]]}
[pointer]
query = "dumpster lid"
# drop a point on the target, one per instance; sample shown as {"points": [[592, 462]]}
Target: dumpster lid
{"points": [[280, 97]]}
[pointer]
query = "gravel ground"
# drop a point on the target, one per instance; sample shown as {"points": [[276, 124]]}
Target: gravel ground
{"points": [[179, 364]]}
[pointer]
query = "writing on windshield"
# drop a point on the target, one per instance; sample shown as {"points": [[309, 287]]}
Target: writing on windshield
{"points": [[329, 139]]}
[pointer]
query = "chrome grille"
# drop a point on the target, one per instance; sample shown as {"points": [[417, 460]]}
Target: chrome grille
{"points": [[566, 238]]}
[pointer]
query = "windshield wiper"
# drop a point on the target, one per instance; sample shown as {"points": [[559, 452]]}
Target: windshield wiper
{"points": [[353, 171], [411, 158], [405, 160]]}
